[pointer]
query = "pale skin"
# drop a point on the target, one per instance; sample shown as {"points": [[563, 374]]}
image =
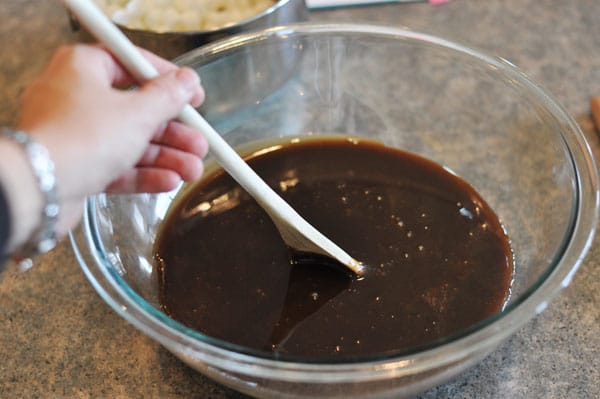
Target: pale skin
{"points": [[100, 137]]}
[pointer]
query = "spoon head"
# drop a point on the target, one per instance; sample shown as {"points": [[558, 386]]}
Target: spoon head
{"points": [[307, 244]]}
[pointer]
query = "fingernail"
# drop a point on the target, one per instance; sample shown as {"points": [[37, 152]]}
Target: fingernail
{"points": [[188, 78]]}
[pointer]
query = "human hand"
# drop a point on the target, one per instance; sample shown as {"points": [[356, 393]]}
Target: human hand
{"points": [[102, 138]]}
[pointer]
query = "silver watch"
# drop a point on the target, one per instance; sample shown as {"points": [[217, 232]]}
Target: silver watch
{"points": [[44, 237]]}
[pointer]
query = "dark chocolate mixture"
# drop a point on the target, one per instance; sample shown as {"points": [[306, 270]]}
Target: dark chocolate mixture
{"points": [[438, 258]]}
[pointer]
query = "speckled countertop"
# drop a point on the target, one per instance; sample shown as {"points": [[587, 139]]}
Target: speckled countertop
{"points": [[58, 339]]}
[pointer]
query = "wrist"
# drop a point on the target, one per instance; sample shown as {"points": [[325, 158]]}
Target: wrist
{"points": [[23, 197], [27, 174]]}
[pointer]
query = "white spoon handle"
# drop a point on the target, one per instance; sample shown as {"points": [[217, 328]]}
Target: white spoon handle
{"points": [[295, 231]]}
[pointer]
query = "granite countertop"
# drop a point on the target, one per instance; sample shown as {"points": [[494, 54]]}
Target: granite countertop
{"points": [[58, 339]]}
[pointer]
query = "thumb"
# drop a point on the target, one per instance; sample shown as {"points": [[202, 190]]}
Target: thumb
{"points": [[165, 96]]}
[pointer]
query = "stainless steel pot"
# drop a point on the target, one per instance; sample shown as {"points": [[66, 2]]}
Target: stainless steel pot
{"points": [[173, 44]]}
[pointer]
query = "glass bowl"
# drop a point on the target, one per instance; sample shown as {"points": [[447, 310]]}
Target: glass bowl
{"points": [[477, 115]]}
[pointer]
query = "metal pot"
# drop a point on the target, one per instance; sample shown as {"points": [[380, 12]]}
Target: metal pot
{"points": [[172, 44]]}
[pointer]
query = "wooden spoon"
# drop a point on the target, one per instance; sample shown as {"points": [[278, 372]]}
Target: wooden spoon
{"points": [[296, 232]]}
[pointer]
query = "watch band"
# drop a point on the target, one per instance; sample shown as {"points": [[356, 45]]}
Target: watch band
{"points": [[44, 237]]}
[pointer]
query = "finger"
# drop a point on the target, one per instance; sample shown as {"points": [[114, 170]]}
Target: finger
{"points": [[145, 180], [179, 136], [100, 63], [187, 166], [162, 99], [121, 76], [70, 215], [162, 65]]}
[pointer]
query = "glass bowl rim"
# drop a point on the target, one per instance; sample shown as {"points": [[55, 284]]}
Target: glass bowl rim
{"points": [[492, 330]]}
